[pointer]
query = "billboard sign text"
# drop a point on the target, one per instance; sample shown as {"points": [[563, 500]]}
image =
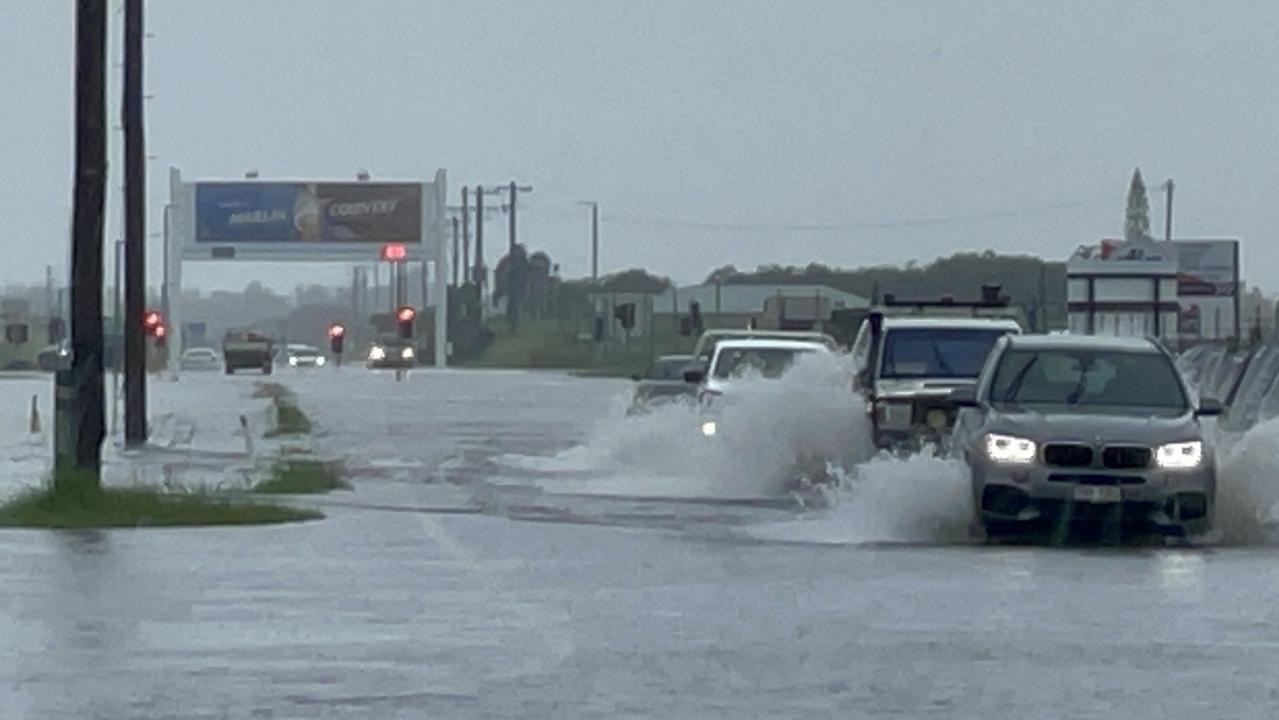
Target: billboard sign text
{"points": [[229, 213]]}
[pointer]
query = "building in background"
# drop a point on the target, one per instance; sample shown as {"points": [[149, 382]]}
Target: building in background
{"points": [[1186, 291]]}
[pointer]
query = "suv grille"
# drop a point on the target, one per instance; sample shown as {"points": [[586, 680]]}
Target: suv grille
{"points": [[1068, 455], [1118, 457]]}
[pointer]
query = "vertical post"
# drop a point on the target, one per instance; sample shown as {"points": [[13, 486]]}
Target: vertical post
{"points": [[1168, 211], [595, 243], [182, 226], [441, 271], [479, 273], [117, 347], [135, 236], [78, 398], [1238, 290], [164, 265], [467, 275], [456, 242], [1158, 326], [513, 297]]}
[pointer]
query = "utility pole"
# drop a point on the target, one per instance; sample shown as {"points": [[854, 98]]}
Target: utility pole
{"points": [[455, 249], [135, 236], [79, 394], [1168, 210], [480, 272], [466, 237], [117, 348]]}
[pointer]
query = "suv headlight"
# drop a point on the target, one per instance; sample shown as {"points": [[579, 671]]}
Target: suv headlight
{"points": [[377, 353], [710, 428], [1010, 449], [407, 353], [1180, 456]]}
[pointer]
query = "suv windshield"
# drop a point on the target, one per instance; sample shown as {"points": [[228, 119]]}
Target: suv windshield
{"points": [[769, 362], [937, 352], [1105, 381]]}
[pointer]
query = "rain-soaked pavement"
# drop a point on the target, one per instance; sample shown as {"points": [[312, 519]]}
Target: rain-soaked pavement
{"points": [[514, 548]]}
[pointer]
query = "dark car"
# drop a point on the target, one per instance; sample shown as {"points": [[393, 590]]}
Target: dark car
{"points": [[246, 349], [664, 382], [1065, 429], [392, 353]]}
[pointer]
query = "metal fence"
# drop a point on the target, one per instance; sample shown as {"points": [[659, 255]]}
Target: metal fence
{"points": [[1246, 381]]}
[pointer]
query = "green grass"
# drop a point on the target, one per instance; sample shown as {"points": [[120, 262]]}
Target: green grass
{"points": [[290, 420], [89, 507], [545, 345], [296, 476]]}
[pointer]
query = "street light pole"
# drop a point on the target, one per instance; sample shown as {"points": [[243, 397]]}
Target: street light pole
{"points": [[1168, 186], [595, 239]]}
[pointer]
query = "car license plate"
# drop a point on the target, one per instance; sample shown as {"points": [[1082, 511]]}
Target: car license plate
{"points": [[1098, 494]]}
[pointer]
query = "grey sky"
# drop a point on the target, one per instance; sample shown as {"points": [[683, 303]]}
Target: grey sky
{"points": [[707, 131]]}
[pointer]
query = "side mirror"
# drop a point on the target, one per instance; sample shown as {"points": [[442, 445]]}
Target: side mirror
{"points": [[1209, 407], [694, 375], [963, 396]]}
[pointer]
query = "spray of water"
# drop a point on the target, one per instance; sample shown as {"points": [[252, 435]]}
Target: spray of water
{"points": [[769, 431], [1248, 485]]}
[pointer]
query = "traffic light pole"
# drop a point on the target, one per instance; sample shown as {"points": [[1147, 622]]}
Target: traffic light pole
{"points": [[135, 344]]}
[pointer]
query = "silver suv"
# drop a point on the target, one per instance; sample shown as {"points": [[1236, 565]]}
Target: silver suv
{"points": [[1063, 429]]}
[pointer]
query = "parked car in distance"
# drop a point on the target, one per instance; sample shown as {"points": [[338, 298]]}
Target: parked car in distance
{"points": [[200, 358]]}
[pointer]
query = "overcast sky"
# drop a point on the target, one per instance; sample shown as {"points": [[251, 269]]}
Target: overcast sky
{"points": [[709, 132]]}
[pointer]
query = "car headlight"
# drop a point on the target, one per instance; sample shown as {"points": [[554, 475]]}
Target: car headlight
{"points": [[709, 428], [1183, 455], [377, 353], [293, 361], [1010, 449], [319, 362], [407, 353]]}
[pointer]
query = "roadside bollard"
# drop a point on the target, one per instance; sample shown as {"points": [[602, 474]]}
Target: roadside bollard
{"points": [[35, 414], [248, 437]]}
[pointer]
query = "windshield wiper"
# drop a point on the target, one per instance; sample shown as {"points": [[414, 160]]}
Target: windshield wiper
{"points": [[1075, 394], [941, 361], [1014, 387]]}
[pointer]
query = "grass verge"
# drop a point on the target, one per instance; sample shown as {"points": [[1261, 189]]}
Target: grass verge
{"points": [[289, 419], [138, 507], [296, 476]]}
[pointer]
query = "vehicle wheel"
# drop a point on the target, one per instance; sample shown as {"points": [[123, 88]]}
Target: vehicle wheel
{"points": [[230, 370], [266, 369], [1001, 529]]}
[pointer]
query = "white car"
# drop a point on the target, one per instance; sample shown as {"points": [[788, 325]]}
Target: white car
{"points": [[303, 356], [201, 359], [734, 360]]}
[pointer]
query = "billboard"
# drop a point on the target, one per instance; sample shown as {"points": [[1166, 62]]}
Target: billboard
{"points": [[1208, 288], [307, 213]]}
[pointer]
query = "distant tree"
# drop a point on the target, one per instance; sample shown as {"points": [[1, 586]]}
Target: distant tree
{"points": [[634, 280], [1137, 218], [723, 274]]}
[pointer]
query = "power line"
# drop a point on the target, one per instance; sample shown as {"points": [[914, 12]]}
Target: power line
{"points": [[723, 226]]}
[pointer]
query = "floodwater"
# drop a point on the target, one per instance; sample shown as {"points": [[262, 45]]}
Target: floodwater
{"points": [[515, 547]]}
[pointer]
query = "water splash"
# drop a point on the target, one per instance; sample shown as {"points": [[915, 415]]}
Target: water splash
{"points": [[919, 499], [765, 427], [1248, 486]]}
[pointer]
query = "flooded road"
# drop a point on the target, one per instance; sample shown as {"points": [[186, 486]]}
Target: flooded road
{"points": [[513, 547]]}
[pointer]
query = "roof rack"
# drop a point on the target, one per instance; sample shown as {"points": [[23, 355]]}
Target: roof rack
{"points": [[990, 298]]}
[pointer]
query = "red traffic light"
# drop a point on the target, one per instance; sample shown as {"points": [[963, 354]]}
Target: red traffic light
{"points": [[394, 253], [337, 331], [405, 314], [159, 331], [152, 320]]}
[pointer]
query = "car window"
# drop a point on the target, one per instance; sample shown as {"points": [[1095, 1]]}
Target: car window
{"points": [[769, 362], [1087, 379], [668, 369], [937, 352]]}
